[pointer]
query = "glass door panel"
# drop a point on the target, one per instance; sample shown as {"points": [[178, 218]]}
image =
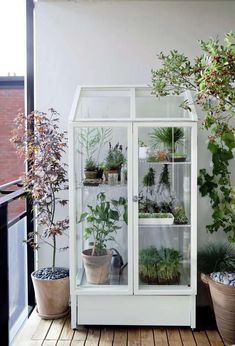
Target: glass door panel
{"points": [[164, 197], [102, 159]]}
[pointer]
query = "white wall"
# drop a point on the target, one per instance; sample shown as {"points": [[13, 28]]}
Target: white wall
{"points": [[116, 42]]}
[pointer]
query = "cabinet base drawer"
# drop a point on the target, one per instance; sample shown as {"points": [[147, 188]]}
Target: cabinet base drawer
{"points": [[136, 310]]}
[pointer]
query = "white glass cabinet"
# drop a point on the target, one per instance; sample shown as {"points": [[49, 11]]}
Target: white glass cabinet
{"points": [[133, 202]]}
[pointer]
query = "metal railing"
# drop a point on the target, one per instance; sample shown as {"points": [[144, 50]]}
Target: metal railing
{"points": [[8, 194]]}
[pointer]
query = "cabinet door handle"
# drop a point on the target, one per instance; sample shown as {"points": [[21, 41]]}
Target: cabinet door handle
{"points": [[136, 198]]}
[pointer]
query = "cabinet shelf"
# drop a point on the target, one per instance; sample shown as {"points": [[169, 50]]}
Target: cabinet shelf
{"points": [[102, 186], [143, 161], [164, 226], [114, 280]]}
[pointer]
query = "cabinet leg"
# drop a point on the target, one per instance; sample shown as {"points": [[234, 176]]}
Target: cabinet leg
{"points": [[73, 312]]}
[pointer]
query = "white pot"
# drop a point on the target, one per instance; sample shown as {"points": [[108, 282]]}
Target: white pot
{"points": [[143, 152]]}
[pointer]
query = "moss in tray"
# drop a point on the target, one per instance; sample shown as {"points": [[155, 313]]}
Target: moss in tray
{"points": [[155, 216]]}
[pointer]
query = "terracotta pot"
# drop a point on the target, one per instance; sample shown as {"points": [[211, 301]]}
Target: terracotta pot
{"points": [[223, 298], [90, 174], [96, 267], [204, 279], [52, 297]]}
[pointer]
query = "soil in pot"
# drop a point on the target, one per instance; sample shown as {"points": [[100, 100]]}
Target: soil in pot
{"points": [[51, 292], [96, 267], [149, 280], [173, 281]]}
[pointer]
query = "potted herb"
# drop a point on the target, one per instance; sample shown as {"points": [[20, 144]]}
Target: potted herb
{"points": [[211, 78], [180, 217], [115, 159], [103, 221], [45, 178], [156, 219], [168, 136], [143, 150], [91, 169], [148, 265], [149, 178], [161, 267], [169, 266]]}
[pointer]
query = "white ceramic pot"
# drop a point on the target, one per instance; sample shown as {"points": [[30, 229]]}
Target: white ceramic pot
{"points": [[143, 152]]}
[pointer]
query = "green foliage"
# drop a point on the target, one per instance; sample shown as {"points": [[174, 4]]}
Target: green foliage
{"points": [[155, 265], [155, 215], [216, 258], [90, 165], [102, 222], [149, 178], [164, 180], [169, 136], [211, 76], [115, 157], [180, 217]]}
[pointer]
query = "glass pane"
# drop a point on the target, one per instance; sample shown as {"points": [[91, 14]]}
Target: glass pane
{"points": [[101, 180], [149, 106], [164, 207], [103, 105], [17, 257]]}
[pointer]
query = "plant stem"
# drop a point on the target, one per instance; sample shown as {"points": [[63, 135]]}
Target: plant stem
{"points": [[54, 252]]}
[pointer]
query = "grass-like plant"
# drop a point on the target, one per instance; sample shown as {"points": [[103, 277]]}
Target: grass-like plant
{"points": [[90, 165], [149, 178], [216, 257], [169, 263], [169, 136], [155, 215], [115, 157], [148, 264]]}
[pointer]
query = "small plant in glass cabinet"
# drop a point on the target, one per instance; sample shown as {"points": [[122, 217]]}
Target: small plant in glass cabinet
{"points": [[133, 200]]}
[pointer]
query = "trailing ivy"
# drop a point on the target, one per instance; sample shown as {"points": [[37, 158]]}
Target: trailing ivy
{"points": [[211, 77]]}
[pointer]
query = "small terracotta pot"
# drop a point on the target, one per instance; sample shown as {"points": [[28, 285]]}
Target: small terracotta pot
{"points": [[96, 267], [52, 297], [90, 174], [223, 297]]}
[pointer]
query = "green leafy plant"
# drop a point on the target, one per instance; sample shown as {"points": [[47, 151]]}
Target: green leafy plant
{"points": [[46, 175], [90, 165], [141, 143], [164, 180], [169, 136], [169, 264], [149, 178], [155, 215], [216, 257], [180, 217], [148, 264], [159, 266], [115, 157], [102, 222], [211, 77]]}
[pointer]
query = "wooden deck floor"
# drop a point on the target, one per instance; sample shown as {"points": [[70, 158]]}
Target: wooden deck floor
{"points": [[37, 332]]}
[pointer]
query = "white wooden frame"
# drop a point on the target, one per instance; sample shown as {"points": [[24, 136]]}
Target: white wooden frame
{"points": [[81, 297]]}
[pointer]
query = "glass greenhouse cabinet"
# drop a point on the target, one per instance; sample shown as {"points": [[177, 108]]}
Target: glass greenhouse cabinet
{"points": [[133, 207]]}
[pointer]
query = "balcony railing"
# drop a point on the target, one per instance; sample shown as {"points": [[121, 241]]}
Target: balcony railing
{"points": [[16, 260]]}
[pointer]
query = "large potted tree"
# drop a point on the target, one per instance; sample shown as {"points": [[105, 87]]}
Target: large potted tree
{"points": [[102, 222], [211, 77], [44, 180]]}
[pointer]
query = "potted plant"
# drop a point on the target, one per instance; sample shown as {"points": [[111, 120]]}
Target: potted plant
{"points": [[211, 77], [161, 267], [143, 150], [103, 221], [148, 265], [180, 217], [45, 178], [114, 159], [156, 219], [168, 136], [91, 169], [169, 266]]}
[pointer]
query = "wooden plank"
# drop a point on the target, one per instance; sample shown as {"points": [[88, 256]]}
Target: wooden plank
{"points": [[146, 337], [27, 331], [106, 337], [214, 338], [187, 337], [42, 329], [49, 343], [77, 343], [63, 343], [120, 337], [55, 329], [133, 337], [93, 337], [201, 338], [80, 335], [30, 343], [160, 337], [67, 332], [173, 336]]}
